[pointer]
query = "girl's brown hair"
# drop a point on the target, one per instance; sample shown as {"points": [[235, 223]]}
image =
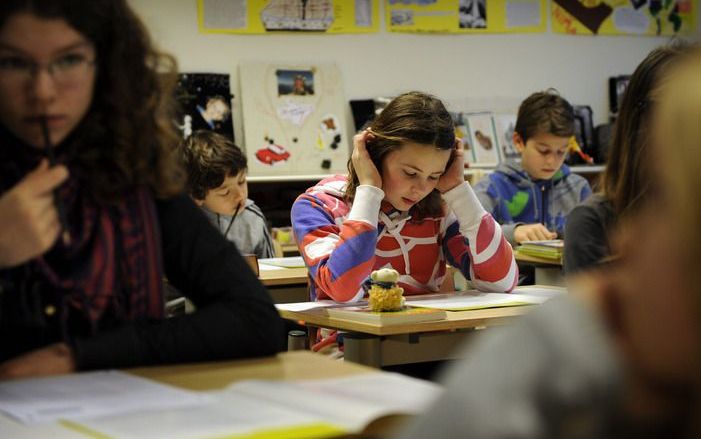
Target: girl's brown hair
{"points": [[128, 138], [625, 180], [412, 117], [677, 130]]}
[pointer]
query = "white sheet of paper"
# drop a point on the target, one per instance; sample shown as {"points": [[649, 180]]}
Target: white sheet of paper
{"points": [[289, 262], [40, 400], [540, 290], [474, 300], [304, 306]]}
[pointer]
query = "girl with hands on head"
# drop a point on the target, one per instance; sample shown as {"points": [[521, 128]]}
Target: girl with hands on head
{"points": [[404, 205]]}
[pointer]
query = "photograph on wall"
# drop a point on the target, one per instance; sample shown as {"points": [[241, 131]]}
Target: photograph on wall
{"points": [[505, 125], [473, 14], [483, 138], [205, 103], [295, 82], [293, 119], [635, 17]]}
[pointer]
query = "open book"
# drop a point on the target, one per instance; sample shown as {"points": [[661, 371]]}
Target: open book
{"points": [[267, 409]]}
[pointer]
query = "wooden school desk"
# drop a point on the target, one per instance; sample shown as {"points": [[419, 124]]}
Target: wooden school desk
{"points": [[208, 376], [378, 345], [286, 285], [547, 271]]}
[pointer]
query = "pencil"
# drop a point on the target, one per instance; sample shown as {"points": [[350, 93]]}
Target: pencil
{"points": [[231, 223], [66, 236]]}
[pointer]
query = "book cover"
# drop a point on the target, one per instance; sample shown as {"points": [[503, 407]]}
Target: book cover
{"points": [[406, 315]]}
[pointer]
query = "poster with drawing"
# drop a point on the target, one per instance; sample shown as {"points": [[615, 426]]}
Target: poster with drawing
{"points": [[505, 125], [293, 119], [616, 17], [205, 103], [270, 16], [483, 139]]}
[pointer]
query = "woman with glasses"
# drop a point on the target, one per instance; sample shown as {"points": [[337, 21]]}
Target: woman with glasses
{"points": [[91, 211]]}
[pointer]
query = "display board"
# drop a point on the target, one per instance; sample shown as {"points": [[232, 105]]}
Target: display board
{"points": [[293, 119]]}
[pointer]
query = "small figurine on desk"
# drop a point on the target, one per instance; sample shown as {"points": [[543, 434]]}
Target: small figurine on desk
{"points": [[383, 292]]}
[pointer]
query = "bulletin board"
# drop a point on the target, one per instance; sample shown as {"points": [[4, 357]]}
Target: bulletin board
{"points": [[269, 16], [466, 16], [624, 17], [293, 119]]}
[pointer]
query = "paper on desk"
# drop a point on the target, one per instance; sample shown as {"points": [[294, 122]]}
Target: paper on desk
{"points": [[266, 267], [39, 400], [476, 300], [321, 407], [289, 262], [306, 306], [540, 290]]}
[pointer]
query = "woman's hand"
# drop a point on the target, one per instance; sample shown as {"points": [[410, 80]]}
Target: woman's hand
{"points": [[454, 174], [29, 223], [365, 169], [55, 359], [533, 232]]}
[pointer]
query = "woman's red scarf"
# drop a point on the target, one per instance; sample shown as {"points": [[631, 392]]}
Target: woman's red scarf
{"points": [[114, 259]]}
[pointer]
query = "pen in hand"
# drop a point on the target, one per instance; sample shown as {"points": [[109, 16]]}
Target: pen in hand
{"points": [[66, 236]]}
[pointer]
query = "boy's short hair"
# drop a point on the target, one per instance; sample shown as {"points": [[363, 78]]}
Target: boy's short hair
{"points": [[209, 158], [545, 112]]}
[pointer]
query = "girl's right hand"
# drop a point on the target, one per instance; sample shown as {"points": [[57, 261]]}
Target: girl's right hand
{"points": [[29, 223], [365, 169]]}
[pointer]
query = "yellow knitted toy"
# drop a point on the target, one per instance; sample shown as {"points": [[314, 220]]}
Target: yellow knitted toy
{"points": [[384, 294]]}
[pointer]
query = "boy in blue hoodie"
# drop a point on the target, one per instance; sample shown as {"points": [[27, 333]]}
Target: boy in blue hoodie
{"points": [[531, 199]]}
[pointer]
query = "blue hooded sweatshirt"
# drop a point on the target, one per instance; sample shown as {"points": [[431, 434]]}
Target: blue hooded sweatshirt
{"points": [[513, 198]]}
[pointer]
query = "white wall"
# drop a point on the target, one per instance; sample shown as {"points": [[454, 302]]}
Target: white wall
{"points": [[465, 70]]}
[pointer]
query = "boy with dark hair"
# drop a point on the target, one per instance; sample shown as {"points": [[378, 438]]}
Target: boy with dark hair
{"points": [[217, 170], [532, 199]]}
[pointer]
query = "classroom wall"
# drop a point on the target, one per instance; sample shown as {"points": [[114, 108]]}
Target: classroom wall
{"points": [[468, 71]]}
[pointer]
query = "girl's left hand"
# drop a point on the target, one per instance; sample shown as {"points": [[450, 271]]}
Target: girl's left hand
{"points": [[454, 175]]}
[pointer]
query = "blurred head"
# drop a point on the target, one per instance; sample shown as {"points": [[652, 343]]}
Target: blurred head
{"points": [[414, 137], [659, 287], [544, 126], [625, 180], [216, 170], [217, 109], [55, 55]]}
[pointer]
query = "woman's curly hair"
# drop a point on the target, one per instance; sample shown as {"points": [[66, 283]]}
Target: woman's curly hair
{"points": [[128, 138]]}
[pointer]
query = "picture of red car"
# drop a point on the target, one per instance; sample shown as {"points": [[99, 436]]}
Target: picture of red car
{"points": [[272, 154]]}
